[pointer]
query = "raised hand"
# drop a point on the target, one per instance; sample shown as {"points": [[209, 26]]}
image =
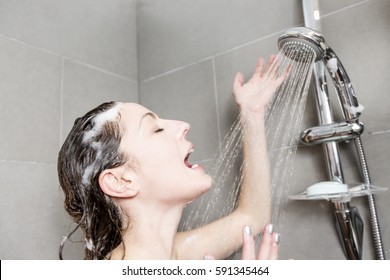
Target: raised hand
{"points": [[257, 92]]}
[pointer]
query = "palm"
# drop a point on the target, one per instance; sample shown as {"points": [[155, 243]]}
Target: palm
{"points": [[256, 94]]}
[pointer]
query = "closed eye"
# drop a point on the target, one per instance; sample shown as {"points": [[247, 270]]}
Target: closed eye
{"points": [[159, 130]]}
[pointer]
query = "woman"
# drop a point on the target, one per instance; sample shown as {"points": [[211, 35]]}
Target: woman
{"points": [[127, 177]]}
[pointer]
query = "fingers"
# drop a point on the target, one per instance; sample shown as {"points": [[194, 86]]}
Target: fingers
{"points": [[238, 81], [283, 76], [287, 72], [275, 69], [260, 64], [274, 252], [208, 257], [259, 68], [269, 247], [271, 60], [271, 69], [248, 246], [258, 73]]}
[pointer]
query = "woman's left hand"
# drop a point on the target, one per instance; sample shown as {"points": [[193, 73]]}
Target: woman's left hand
{"points": [[269, 247]]}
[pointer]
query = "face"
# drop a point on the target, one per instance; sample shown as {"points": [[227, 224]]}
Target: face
{"points": [[161, 150]]}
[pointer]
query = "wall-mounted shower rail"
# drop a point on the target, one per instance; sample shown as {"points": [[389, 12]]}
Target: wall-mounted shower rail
{"points": [[348, 221]]}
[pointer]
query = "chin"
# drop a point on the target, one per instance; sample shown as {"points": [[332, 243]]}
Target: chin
{"points": [[206, 185]]}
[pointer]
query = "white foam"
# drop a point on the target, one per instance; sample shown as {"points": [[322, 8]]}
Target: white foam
{"points": [[89, 244], [96, 145], [90, 169], [98, 123], [99, 120], [87, 172]]}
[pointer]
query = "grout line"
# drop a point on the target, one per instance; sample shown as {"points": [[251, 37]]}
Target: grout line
{"points": [[245, 44], [379, 132], [25, 161], [67, 58], [216, 99], [216, 54], [137, 8], [345, 8], [252, 42], [29, 45], [176, 69], [61, 100], [100, 69]]}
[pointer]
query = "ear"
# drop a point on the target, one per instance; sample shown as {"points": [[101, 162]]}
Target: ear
{"points": [[118, 182]]}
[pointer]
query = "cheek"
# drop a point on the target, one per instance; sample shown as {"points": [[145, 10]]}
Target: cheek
{"points": [[164, 159], [160, 165]]}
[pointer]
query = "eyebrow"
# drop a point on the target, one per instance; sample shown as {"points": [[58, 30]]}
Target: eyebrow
{"points": [[148, 114]]}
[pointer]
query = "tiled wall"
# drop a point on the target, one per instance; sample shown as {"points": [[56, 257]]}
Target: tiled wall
{"points": [[60, 58], [189, 52]]}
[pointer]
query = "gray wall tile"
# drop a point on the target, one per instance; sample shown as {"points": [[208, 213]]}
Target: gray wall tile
{"points": [[85, 88], [100, 33], [32, 216], [327, 6], [57, 60], [29, 102], [174, 33]]}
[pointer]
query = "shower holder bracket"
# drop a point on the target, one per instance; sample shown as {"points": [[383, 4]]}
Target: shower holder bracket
{"points": [[336, 191]]}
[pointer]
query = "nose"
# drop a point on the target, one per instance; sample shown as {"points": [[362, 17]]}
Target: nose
{"points": [[180, 128], [184, 128]]}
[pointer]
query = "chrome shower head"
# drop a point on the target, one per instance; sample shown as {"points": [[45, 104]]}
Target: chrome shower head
{"points": [[299, 40]]}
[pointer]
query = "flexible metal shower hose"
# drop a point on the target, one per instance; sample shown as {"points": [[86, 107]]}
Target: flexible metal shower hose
{"points": [[371, 202]]}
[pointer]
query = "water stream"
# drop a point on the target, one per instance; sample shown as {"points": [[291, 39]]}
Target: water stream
{"points": [[283, 126]]}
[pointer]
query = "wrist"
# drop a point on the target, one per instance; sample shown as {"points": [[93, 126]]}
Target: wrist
{"points": [[252, 117]]}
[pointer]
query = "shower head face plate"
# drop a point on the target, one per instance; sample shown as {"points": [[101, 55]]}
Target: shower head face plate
{"points": [[296, 41]]}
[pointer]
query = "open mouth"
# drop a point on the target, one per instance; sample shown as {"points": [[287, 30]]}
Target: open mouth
{"points": [[188, 163]]}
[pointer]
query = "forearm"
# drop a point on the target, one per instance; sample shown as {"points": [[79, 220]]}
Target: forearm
{"points": [[255, 190]]}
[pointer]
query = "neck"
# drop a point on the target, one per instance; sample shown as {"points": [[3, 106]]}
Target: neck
{"points": [[150, 234]]}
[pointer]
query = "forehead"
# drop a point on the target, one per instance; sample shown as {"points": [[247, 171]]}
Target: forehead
{"points": [[131, 115]]}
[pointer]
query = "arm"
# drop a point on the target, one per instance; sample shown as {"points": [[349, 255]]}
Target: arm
{"points": [[253, 97], [222, 237]]}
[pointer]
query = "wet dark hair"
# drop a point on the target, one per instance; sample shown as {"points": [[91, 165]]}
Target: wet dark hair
{"points": [[90, 148]]}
